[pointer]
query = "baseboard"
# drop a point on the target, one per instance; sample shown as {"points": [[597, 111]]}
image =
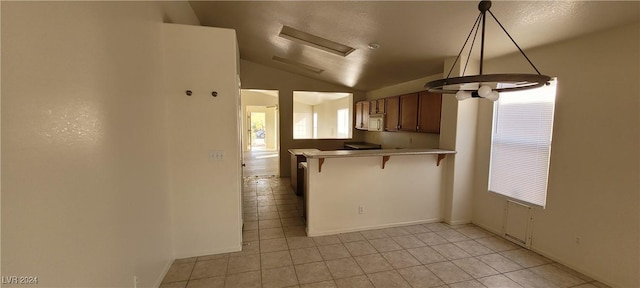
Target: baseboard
{"points": [[164, 273], [556, 259], [372, 227], [230, 249], [547, 255], [195, 254], [485, 227], [459, 222]]}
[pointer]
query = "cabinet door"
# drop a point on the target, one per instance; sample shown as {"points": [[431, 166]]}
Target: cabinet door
{"points": [[380, 106], [365, 115], [429, 112], [373, 107], [392, 105], [358, 123], [409, 112]]}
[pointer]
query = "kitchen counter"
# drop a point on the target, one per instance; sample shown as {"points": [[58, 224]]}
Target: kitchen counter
{"points": [[384, 153], [302, 151], [376, 152], [297, 173], [361, 146], [353, 190]]}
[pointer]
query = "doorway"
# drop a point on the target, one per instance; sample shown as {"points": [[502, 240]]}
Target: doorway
{"points": [[257, 130], [261, 133]]}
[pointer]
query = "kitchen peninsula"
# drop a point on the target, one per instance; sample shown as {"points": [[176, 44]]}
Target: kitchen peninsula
{"points": [[353, 190]]}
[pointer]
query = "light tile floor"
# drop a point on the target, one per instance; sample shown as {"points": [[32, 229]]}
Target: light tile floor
{"points": [[277, 253], [261, 163]]}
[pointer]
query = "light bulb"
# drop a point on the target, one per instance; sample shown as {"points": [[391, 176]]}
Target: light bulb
{"points": [[463, 95], [493, 96], [484, 91]]}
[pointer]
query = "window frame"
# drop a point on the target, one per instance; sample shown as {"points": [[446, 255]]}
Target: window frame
{"points": [[317, 119], [521, 141]]}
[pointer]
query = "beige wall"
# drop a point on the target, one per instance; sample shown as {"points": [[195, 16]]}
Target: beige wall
{"points": [[205, 192], [303, 120], [457, 132], [593, 179], [327, 116], [389, 196], [256, 76], [85, 200]]}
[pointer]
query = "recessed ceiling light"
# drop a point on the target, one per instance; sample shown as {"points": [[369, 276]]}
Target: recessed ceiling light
{"points": [[373, 46], [298, 64], [315, 41]]}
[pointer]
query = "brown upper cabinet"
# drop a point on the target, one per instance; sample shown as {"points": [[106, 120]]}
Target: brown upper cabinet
{"points": [[392, 107], [362, 115], [409, 112], [376, 106], [430, 111], [414, 112]]}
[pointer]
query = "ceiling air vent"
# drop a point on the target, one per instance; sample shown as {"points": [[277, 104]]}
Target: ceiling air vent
{"points": [[315, 41], [297, 64]]}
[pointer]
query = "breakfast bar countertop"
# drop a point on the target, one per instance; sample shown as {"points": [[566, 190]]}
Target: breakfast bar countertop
{"points": [[301, 151], [373, 153]]}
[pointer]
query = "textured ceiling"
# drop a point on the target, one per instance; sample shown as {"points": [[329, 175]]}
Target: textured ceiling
{"points": [[415, 37]]}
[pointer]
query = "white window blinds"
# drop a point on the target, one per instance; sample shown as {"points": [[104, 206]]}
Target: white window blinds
{"points": [[521, 144]]}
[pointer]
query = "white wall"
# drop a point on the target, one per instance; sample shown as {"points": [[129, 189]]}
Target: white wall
{"points": [[458, 132], [205, 193], [303, 120], [594, 174], [389, 196], [85, 202], [328, 116]]}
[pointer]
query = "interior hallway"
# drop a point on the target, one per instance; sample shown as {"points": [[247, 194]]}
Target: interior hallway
{"points": [[277, 253], [261, 163]]}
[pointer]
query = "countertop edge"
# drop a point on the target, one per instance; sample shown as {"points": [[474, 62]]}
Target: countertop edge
{"points": [[374, 153]]}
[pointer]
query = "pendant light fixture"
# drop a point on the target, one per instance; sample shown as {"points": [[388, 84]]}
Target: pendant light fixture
{"points": [[485, 85]]}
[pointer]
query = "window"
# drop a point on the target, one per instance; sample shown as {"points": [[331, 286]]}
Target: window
{"points": [[521, 144], [322, 115], [343, 123], [315, 125]]}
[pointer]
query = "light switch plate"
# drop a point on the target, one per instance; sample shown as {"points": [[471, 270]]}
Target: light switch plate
{"points": [[217, 155]]}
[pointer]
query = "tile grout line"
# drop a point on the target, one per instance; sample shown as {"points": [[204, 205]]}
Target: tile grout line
{"points": [[427, 245]]}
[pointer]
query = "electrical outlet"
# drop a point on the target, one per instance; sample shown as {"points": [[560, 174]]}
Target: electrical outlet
{"points": [[578, 239], [360, 210], [216, 155]]}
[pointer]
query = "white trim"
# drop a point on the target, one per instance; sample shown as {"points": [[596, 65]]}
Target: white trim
{"points": [[459, 222], [164, 273], [373, 227], [235, 248]]}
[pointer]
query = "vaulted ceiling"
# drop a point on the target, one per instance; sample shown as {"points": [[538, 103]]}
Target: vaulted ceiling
{"points": [[414, 37]]}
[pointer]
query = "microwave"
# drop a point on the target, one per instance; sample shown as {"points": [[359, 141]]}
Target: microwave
{"points": [[376, 122]]}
